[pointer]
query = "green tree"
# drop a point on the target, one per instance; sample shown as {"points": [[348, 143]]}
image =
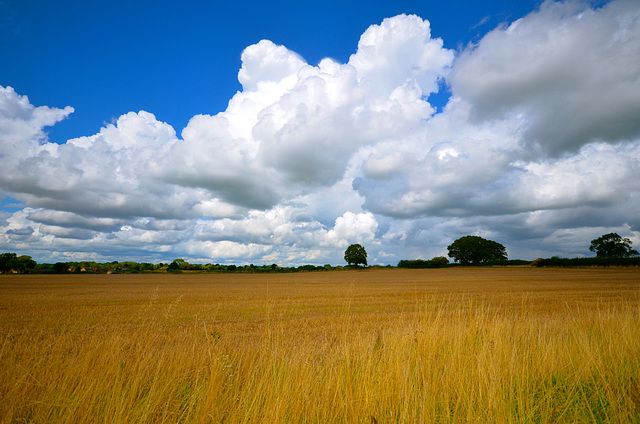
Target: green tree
{"points": [[612, 246], [27, 263], [60, 267], [176, 265], [473, 250], [356, 255], [7, 261], [439, 262], [12, 262]]}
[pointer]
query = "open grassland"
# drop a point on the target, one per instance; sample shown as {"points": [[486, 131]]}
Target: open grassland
{"points": [[499, 345]]}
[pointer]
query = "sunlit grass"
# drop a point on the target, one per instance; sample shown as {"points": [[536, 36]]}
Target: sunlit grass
{"points": [[447, 346]]}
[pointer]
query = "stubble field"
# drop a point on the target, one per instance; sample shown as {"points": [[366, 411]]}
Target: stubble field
{"points": [[503, 345]]}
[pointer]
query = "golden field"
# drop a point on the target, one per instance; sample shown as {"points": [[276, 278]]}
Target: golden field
{"points": [[480, 345]]}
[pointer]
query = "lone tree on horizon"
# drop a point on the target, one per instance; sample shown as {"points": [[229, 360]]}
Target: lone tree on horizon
{"points": [[612, 246], [356, 255], [473, 250]]}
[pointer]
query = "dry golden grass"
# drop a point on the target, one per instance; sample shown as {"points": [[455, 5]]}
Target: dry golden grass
{"points": [[504, 345]]}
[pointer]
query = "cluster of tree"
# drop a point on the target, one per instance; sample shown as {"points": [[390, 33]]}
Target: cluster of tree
{"points": [[474, 250], [612, 246], [437, 262], [179, 265], [556, 261], [467, 250], [97, 267], [610, 249], [11, 262]]}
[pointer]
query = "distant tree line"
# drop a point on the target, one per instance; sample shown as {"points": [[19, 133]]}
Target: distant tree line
{"points": [[556, 261], [437, 262], [179, 265], [610, 249], [11, 263]]}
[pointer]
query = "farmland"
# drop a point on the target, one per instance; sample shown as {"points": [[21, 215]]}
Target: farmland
{"points": [[443, 345]]}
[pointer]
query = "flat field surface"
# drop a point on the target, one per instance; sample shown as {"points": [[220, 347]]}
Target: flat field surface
{"points": [[374, 346]]}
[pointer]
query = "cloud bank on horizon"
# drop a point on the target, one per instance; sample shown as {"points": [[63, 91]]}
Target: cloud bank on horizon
{"points": [[538, 148]]}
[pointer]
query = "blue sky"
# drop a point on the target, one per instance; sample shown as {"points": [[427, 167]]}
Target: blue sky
{"points": [[280, 132], [179, 59]]}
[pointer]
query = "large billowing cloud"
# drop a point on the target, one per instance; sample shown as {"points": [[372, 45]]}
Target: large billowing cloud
{"points": [[570, 71], [538, 148], [543, 117], [295, 127]]}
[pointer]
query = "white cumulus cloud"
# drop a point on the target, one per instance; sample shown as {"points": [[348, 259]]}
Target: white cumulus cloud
{"points": [[538, 148], [570, 70]]}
